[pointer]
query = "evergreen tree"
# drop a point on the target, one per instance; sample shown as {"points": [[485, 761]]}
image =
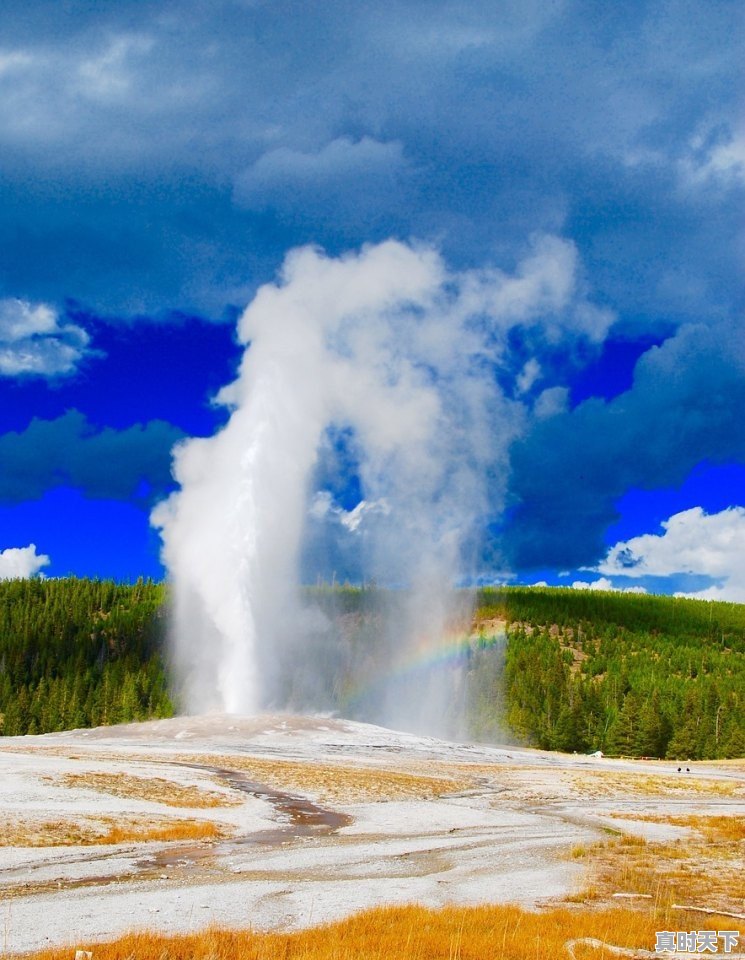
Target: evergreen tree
{"points": [[80, 652]]}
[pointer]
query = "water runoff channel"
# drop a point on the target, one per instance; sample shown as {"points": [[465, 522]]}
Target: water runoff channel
{"points": [[296, 817]]}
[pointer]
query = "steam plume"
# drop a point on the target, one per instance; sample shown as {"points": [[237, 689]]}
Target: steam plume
{"points": [[389, 347]]}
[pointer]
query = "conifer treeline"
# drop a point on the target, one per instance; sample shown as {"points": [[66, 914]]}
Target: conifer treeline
{"points": [[623, 673], [79, 653], [627, 674]]}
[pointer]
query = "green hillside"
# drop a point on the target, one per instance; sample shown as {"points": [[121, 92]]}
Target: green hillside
{"points": [[627, 674], [79, 653]]}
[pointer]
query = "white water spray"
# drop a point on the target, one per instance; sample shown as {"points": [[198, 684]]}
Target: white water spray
{"points": [[389, 346]]}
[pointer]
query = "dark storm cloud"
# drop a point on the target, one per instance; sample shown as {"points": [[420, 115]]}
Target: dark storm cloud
{"points": [[164, 156], [130, 464], [685, 406], [174, 151]]}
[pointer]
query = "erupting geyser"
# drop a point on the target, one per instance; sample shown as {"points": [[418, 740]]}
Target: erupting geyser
{"points": [[389, 347]]}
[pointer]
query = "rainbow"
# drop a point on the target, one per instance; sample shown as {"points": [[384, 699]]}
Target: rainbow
{"points": [[426, 655]]}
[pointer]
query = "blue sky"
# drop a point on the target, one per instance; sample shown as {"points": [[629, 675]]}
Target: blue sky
{"points": [[160, 159]]}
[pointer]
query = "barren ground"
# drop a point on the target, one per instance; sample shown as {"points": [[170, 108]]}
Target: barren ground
{"points": [[278, 822]]}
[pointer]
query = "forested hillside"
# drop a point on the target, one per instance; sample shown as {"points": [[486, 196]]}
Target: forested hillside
{"points": [[578, 670], [624, 673], [78, 653]]}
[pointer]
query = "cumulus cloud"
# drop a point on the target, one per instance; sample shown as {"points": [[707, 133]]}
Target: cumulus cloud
{"points": [[34, 342], [551, 401], [110, 73], [21, 562], [128, 464], [344, 178], [603, 583], [324, 508], [693, 542], [501, 118], [572, 467], [547, 288], [715, 156], [53, 91], [528, 376], [340, 159]]}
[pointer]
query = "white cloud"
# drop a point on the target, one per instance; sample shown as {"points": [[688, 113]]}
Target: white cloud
{"points": [[693, 542], [323, 507], [333, 167], [109, 74], [550, 402], [546, 289], [94, 104], [528, 376], [603, 583], [33, 342], [21, 562], [714, 156], [12, 61]]}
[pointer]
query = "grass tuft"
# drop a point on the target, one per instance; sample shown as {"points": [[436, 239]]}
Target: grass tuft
{"points": [[93, 831], [705, 869], [337, 782], [155, 789]]}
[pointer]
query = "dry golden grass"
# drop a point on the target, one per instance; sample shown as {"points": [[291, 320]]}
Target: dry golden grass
{"points": [[336, 782], [156, 789], [602, 783], [705, 870], [714, 828], [737, 762], [535, 782], [87, 831], [413, 933], [325, 781], [165, 831]]}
